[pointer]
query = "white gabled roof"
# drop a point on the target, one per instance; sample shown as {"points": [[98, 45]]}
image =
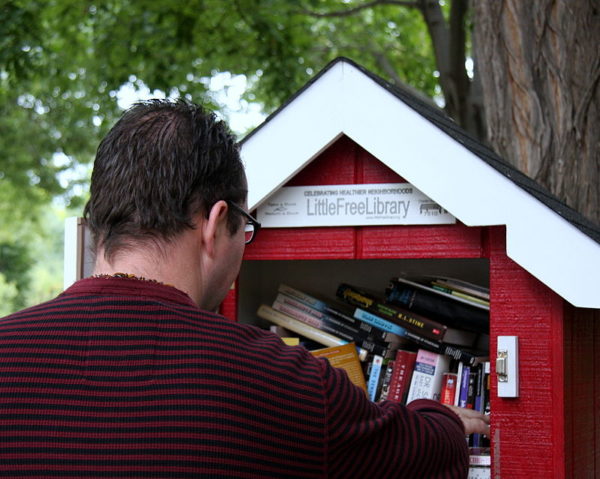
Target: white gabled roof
{"points": [[344, 99]]}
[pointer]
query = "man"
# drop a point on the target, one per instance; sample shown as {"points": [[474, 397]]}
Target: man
{"points": [[129, 373]]}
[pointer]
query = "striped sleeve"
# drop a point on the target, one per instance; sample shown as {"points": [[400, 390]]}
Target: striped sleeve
{"points": [[390, 440]]}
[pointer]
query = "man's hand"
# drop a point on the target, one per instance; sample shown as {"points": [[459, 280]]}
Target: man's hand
{"points": [[474, 421]]}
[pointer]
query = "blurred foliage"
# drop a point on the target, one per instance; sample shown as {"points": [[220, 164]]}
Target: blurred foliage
{"points": [[63, 62], [15, 262]]}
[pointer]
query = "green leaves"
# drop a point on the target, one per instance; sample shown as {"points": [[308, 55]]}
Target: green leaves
{"points": [[62, 63]]}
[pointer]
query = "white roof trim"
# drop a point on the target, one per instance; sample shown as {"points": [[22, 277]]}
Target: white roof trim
{"points": [[346, 101]]}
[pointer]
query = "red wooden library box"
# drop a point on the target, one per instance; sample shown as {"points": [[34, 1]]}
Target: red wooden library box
{"points": [[539, 258]]}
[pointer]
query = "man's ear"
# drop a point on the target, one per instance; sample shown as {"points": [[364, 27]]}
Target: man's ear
{"points": [[213, 227]]}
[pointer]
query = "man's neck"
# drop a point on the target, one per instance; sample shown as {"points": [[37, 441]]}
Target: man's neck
{"points": [[174, 266]]}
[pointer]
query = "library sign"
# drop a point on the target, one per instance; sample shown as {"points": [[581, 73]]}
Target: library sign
{"points": [[351, 205]]}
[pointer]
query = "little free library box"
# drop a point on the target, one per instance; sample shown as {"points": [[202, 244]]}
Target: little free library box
{"points": [[356, 180]]}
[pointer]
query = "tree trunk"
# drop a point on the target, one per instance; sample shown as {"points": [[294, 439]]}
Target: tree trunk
{"points": [[539, 66], [462, 95]]}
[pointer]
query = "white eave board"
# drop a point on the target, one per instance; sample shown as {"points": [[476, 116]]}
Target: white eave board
{"points": [[343, 100]]}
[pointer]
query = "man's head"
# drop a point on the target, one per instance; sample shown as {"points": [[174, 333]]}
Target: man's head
{"points": [[162, 164]]}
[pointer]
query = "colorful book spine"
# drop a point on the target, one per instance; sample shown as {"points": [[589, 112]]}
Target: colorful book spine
{"points": [[301, 296], [404, 364], [387, 379], [408, 320], [459, 370], [446, 308], [374, 375], [454, 352], [464, 386], [379, 322], [289, 307], [346, 358], [374, 333], [340, 321], [426, 382], [459, 294], [464, 287], [481, 401], [448, 388], [298, 327]]}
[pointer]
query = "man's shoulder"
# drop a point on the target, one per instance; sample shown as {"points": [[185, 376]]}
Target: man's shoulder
{"points": [[30, 312]]}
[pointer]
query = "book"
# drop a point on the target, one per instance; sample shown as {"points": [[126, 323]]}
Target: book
{"points": [[346, 358], [448, 388], [307, 299], [401, 375], [450, 310], [374, 375], [471, 391], [344, 313], [480, 463], [470, 357], [459, 370], [298, 327], [462, 286], [405, 318], [482, 401], [385, 385], [426, 382], [480, 456], [464, 386], [302, 312], [459, 294]]}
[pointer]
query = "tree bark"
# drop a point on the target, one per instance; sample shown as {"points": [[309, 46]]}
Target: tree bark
{"points": [[539, 64]]}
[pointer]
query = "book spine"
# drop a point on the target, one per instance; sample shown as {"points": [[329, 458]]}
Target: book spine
{"points": [[388, 352], [301, 296], [427, 376], [442, 348], [379, 322], [387, 378], [303, 329], [464, 287], [435, 346], [471, 390], [344, 357], [464, 386], [451, 310], [448, 388], [458, 377], [296, 303], [374, 375], [475, 439], [408, 320], [459, 354], [404, 364], [374, 333], [296, 313], [336, 328], [458, 294]]}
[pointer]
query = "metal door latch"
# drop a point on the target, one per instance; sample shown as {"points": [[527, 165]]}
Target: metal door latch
{"points": [[507, 366], [502, 365]]}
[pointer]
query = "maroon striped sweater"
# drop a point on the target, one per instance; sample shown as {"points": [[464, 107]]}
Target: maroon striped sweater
{"points": [[124, 378]]}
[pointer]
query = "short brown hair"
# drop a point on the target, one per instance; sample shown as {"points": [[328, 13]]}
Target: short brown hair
{"points": [[161, 164]]}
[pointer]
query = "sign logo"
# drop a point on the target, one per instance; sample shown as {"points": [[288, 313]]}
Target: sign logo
{"points": [[350, 205]]}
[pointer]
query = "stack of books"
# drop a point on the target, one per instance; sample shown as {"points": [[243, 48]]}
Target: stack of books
{"points": [[419, 338]]}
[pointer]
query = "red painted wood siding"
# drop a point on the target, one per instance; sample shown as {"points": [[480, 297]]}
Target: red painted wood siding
{"points": [[528, 431], [544, 433]]}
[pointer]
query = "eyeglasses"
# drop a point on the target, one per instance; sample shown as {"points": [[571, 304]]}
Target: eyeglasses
{"points": [[252, 226]]}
